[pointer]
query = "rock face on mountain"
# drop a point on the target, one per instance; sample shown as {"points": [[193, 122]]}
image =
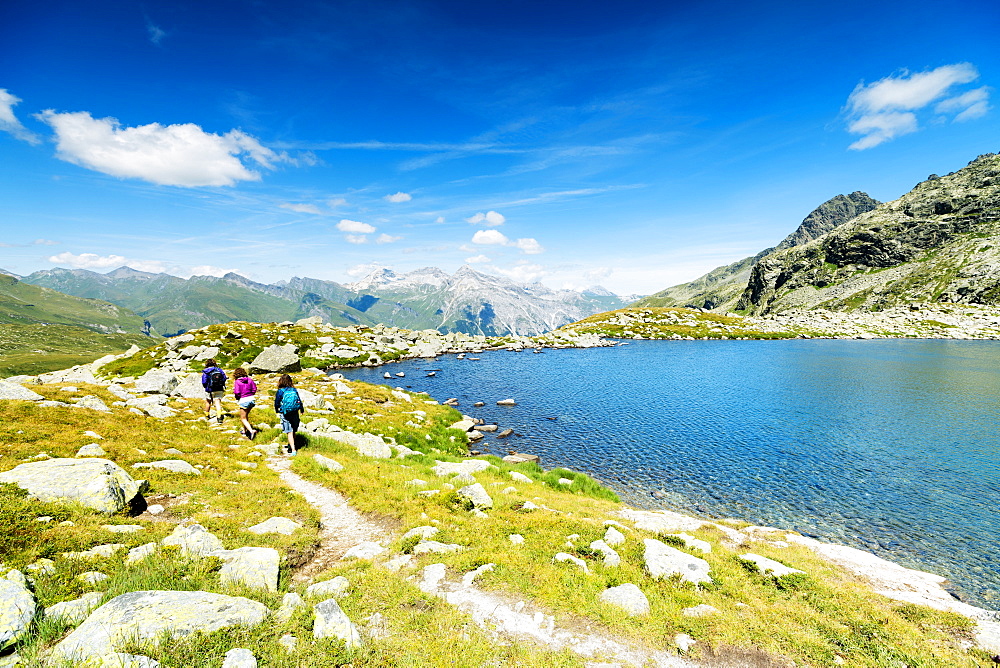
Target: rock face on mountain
{"points": [[467, 301], [938, 243], [721, 288]]}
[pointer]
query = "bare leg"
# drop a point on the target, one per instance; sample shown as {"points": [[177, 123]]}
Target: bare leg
{"points": [[291, 442], [245, 419], [208, 406], [218, 409]]}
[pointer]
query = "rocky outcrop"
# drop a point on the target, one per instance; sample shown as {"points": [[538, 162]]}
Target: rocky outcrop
{"points": [[276, 359], [146, 616], [96, 483], [721, 288], [938, 243], [17, 608]]}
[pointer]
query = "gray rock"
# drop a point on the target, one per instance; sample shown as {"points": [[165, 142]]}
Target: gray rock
{"points": [[239, 658], [93, 403], [92, 577], [96, 483], [17, 608], [123, 528], [172, 465], [281, 525], [565, 556], [146, 616], [137, 554], [276, 359], [693, 543], [613, 536], [628, 597], [96, 552], [255, 567], [611, 557], [470, 466], [519, 477], [429, 546], [336, 587], [77, 610], [331, 622], [767, 566], [156, 381], [177, 341], [159, 411], [368, 445], [425, 531], [477, 495], [189, 387], [662, 561], [124, 660], [328, 464], [365, 550], [289, 604], [194, 540], [15, 392], [91, 450]]}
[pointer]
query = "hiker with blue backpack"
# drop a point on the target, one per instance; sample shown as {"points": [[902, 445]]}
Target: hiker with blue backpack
{"points": [[213, 379], [288, 405]]}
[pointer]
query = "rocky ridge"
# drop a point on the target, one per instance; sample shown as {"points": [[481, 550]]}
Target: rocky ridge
{"points": [[721, 288], [939, 243]]}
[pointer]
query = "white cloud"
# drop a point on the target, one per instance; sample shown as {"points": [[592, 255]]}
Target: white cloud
{"points": [[524, 273], [173, 155], [528, 246], [386, 239], [302, 208], [356, 238], [94, 261], [489, 219], [88, 260], [885, 109], [439, 219], [45, 242], [398, 197], [337, 203], [598, 273], [9, 122], [490, 238], [355, 226], [477, 259], [208, 270]]}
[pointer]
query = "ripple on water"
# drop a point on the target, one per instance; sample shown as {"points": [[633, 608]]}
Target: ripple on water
{"points": [[889, 446]]}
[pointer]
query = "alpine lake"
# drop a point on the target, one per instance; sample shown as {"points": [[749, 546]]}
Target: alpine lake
{"points": [[891, 446]]}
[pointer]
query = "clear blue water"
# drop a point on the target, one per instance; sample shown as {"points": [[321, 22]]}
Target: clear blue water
{"points": [[888, 445]]}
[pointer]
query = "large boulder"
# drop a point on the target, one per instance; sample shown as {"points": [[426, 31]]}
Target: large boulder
{"points": [[628, 597], [189, 387], [96, 483], [662, 561], [77, 610], [469, 466], [172, 465], [369, 445], [146, 616], [17, 608], [255, 567], [476, 494], [156, 381], [194, 540], [276, 359], [332, 622], [15, 392]]}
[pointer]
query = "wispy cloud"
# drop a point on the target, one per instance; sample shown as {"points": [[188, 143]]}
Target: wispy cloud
{"points": [[887, 108], [302, 208], [398, 197], [9, 122], [175, 155], [386, 239], [355, 226], [156, 33], [95, 261], [527, 246]]}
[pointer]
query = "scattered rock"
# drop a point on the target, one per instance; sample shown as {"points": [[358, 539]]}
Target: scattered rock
{"points": [[663, 561], [96, 483], [123, 528], [17, 609], [239, 658], [327, 463], [335, 587], [613, 536], [563, 556], [91, 450], [477, 495], [276, 359], [15, 392], [611, 557], [628, 597], [255, 567], [693, 543], [365, 550], [137, 554], [429, 546], [767, 566], [172, 465], [156, 381], [331, 622], [146, 616], [74, 612], [289, 604], [469, 466], [702, 610], [506, 402], [194, 540]]}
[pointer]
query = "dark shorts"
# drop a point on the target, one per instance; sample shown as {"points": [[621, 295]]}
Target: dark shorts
{"points": [[289, 422]]}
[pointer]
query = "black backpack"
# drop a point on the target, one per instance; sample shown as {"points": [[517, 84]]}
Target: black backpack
{"points": [[216, 380]]}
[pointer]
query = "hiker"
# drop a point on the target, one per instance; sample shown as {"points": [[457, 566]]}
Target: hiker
{"points": [[245, 390], [213, 379], [288, 405]]}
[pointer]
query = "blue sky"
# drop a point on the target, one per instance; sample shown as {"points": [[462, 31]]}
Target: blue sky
{"points": [[633, 145]]}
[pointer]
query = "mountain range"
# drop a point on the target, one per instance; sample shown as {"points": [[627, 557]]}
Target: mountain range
{"points": [[467, 301]]}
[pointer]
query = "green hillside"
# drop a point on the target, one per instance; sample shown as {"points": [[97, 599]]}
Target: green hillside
{"points": [[44, 330]]}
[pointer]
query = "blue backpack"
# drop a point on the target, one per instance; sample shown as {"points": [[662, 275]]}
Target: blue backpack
{"points": [[290, 401]]}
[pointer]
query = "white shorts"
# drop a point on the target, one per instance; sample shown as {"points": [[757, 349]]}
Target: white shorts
{"points": [[216, 395], [246, 403]]}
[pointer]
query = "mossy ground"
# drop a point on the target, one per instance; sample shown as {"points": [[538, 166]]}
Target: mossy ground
{"points": [[818, 620], [670, 322]]}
